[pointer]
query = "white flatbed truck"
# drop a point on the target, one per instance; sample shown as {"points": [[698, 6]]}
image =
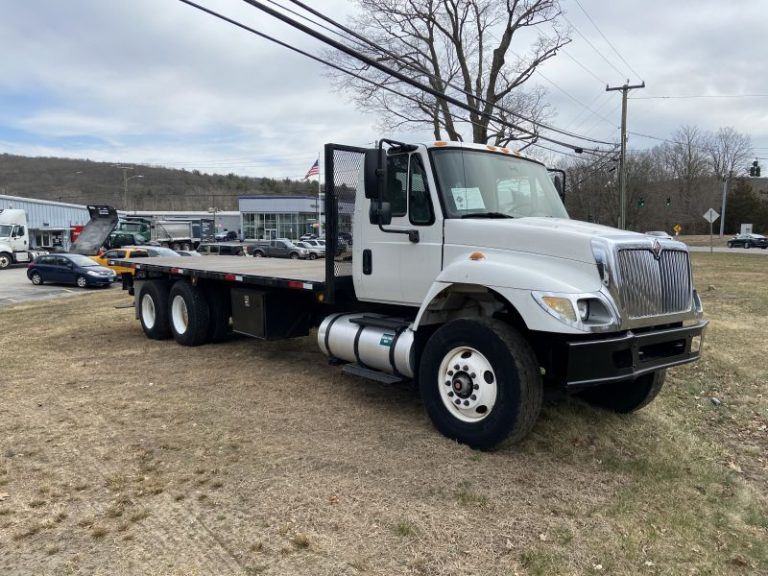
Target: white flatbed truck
{"points": [[466, 276]]}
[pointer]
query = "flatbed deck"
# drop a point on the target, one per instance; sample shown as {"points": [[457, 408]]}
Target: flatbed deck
{"points": [[269, 272]]}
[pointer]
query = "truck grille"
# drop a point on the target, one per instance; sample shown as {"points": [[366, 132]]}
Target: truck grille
{"points": [[653, 287]]}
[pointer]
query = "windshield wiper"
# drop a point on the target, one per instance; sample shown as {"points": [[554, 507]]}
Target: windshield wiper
{"points": [[487, 215]]}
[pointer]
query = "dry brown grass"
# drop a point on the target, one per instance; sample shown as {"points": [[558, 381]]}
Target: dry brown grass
{"points": [[144, 457]]}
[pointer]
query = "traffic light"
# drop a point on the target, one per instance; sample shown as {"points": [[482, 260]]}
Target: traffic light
{"points": [[669, 201], [754, 170], [641, 203]]}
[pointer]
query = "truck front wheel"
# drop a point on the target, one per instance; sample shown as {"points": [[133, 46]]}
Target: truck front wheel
{"points": [[153, 310], [189, 314], [5, 260], [480, 382], [627, 396]]}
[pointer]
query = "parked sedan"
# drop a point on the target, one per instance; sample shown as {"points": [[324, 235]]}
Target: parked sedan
{"points": [[748, 240], [69, 269]]}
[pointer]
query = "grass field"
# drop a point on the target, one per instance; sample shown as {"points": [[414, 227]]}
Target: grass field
{"points": [[120, 455]]}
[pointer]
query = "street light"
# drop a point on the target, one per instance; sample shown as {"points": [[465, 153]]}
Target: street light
{"points": [[125, 183]]}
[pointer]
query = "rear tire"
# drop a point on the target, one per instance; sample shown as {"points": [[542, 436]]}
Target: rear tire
{"points": [[153, 309], [220, 311], [480, 382], [627, 396], [747, 245], [37, 280], [312, 256], [294, 256], [188, 314]]}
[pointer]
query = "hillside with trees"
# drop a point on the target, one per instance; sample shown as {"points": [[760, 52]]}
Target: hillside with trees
{"points": [[148, 187]]}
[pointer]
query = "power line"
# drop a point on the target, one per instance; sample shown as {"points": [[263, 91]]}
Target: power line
{"points": [[611, 64], [606, 40], [699, 96], [398, 58], [370, 62]]}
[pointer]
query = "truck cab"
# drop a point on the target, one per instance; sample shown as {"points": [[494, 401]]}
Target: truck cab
{"points": [[14, 237]]}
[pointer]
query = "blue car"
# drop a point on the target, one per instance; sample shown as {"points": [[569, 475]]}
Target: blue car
{"points": [[69, 269]]}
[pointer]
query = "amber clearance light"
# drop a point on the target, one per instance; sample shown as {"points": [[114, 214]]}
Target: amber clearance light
{"points": [[477, 256]]}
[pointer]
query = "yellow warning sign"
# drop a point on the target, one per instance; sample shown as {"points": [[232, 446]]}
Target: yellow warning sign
{"points": [[677, 228]]}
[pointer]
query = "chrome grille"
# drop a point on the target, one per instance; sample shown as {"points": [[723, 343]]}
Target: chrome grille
{"points": [[654, 287]]}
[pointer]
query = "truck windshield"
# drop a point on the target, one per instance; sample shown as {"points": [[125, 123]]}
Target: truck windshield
{"points": [[5, 231], [477, 184]]}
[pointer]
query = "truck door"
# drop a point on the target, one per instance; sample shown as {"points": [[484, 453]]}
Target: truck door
{"points": [[395, 269]]}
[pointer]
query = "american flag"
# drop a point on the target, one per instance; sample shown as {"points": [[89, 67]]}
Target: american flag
{"points": [[314, 171]]}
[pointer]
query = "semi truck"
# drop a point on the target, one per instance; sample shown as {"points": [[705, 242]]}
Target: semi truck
{"points": [[14, 238], [467, 276]]}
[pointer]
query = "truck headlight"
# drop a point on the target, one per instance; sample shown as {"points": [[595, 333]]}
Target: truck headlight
{"points": [[592, 312], [560, 307]]}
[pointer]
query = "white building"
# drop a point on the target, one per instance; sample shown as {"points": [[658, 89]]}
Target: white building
{"points": [[50, 223]]}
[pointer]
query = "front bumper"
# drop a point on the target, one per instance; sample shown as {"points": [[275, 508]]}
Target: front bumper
{"points": [[625, 357]]}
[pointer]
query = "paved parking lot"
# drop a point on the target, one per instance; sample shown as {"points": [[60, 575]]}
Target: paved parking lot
{"points": [[16, 288]]}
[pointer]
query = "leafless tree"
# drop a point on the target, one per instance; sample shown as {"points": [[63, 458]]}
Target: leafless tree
{"points": [[687, 162], [729, 152], [461, 48]]}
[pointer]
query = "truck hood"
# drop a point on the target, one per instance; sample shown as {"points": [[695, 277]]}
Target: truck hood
{"points": [[557, 237]]}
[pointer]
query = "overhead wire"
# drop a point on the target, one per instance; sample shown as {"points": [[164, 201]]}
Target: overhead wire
{"points": [[607, 41], [362, 39]]}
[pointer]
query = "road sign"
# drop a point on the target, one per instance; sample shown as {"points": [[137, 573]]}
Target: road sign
{"points": [[677, 228], [710, 215]]}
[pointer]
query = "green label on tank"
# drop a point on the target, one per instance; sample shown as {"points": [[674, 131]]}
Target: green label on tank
{"points": [[386, 340]]}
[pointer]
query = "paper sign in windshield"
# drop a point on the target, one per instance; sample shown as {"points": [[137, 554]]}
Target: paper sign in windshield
{"points": [[468, 198]]}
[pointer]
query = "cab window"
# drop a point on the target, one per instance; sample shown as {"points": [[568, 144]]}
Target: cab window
{"points": [[419, 201], [397, 180]]}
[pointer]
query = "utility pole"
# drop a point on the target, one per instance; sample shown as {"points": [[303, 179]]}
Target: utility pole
{"points": [[725, 197], [622, 157]]}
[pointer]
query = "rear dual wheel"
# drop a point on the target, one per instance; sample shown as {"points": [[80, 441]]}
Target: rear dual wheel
{"points": [[189, 314]]}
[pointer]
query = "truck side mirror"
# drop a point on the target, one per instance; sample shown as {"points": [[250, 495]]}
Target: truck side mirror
{"points": [[375, 172], [381, 213]]}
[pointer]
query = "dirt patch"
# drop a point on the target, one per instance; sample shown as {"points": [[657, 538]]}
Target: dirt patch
{"points": [[121, 455]]}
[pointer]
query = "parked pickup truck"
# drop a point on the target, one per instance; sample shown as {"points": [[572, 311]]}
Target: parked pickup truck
{"points": [[278, 249]]}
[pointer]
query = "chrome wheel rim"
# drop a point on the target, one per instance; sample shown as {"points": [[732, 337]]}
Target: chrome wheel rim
{"points": [[467, 384]]}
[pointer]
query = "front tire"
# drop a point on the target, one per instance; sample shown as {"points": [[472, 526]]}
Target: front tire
{"points": [[153, 310], [480, 382], [189, 314], [82, 282], [312, 256], [5, 260], [627, 396]]}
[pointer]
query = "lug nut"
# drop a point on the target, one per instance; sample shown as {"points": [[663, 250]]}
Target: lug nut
{"points": [[466, 402], [476, 386], [473, 375], [473, 397], [458, 402], [450, 372], [457, 367], [447, 382], [466, 368], [450, 394]]}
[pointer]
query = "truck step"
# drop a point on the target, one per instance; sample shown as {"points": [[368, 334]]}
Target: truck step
{"points": [[363, 372]]}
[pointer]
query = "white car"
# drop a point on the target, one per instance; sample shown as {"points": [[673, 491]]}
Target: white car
{"points": [[315, 251]]}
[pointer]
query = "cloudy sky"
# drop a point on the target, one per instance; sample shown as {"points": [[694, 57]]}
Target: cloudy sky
{"points": [[157, 82]]}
